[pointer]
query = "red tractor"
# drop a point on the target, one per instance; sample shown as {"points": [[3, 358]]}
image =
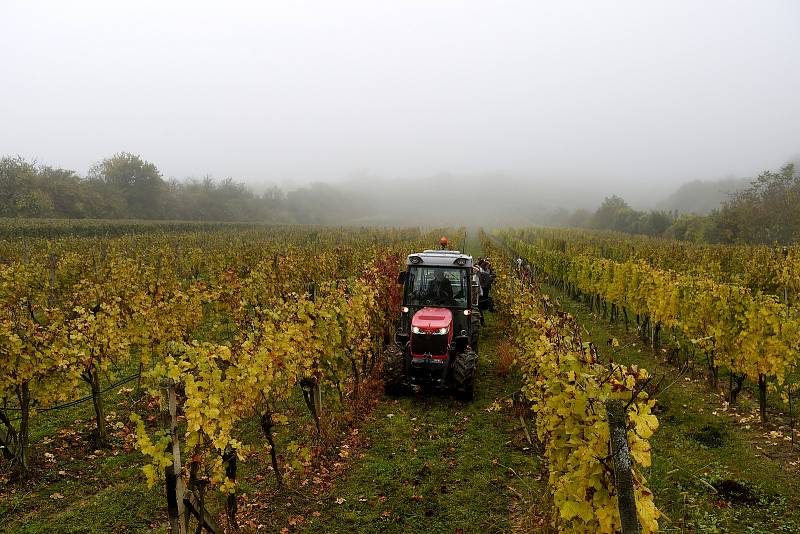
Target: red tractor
{"points": [[437, 333]]}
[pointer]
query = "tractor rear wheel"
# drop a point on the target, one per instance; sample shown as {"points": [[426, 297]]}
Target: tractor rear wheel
{"points": [[393, 369], [464, 368]]}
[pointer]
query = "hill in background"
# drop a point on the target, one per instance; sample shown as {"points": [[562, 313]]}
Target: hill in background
{"points": [[700, 197]]}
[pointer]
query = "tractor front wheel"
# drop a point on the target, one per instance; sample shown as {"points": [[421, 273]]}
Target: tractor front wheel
{"points": [[394, 369], [464, 368]]}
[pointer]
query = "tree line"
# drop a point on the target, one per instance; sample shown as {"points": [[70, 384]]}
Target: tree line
{"points": [[125, 186], [765, 212]]}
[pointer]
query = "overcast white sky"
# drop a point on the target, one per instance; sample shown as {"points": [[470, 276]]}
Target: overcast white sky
{"points": [[654, 93]]}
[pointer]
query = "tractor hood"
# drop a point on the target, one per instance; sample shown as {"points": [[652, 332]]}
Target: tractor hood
{"points": [[432, 319]]}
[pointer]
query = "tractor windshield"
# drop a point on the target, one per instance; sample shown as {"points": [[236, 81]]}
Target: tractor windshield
{"points": [[437, 286]]}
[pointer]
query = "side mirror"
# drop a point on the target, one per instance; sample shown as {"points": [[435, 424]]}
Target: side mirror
{"points": [[401, 277], [401, 338]]}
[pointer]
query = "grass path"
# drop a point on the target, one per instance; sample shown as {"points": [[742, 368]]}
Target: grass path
{"points": [[435, 464], [431, 463]]}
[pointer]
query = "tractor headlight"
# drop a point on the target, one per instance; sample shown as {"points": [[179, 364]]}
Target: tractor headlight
{"points": [[417, 330], [441, 331]]}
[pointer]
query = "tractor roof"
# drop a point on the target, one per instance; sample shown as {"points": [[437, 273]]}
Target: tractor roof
{"points": [[440, 258]]}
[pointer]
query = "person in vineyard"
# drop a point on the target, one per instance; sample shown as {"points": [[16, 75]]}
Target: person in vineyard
{"points": [[476, 276], [486, 277], [440, 289]]}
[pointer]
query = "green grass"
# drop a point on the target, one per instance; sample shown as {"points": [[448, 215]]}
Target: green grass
{"points": [[80, 489], [440, 464], [433, 464], [698, 445], [425, 463]]}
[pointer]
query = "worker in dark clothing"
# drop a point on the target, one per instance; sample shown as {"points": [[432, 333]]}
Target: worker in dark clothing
{"points": [[440, 289], [486, 277]]}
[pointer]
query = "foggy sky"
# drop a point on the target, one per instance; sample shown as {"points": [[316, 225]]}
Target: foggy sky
{"points": [[643, 95]]}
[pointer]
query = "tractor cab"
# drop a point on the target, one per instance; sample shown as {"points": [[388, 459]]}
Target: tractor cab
{"points": [[440, 280], [437, 331]]}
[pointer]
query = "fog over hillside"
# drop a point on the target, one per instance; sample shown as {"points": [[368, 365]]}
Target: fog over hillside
{"points": [[503, 109], [504, 200], [486, 199], [701, 197]]}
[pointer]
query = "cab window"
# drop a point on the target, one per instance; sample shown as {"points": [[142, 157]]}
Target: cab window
{"points": [[437, 286]]}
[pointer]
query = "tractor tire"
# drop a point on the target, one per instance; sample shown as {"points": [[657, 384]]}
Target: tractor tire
{"points": [[464, 370], [394, 369]]}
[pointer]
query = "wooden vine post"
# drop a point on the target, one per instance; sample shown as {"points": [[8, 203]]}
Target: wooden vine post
{"points": [[623, 474], [51, 269], [317, 394], [229, 457], [316, 389], [176, 489]]}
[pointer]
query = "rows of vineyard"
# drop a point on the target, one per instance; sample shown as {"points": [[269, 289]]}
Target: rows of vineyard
{"points": [[570, 389], [226, 329], [761, 268], [716, 305], [221, 327], [19, 228]]}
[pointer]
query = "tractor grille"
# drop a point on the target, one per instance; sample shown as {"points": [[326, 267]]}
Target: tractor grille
{"points": [[428, 344]]}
